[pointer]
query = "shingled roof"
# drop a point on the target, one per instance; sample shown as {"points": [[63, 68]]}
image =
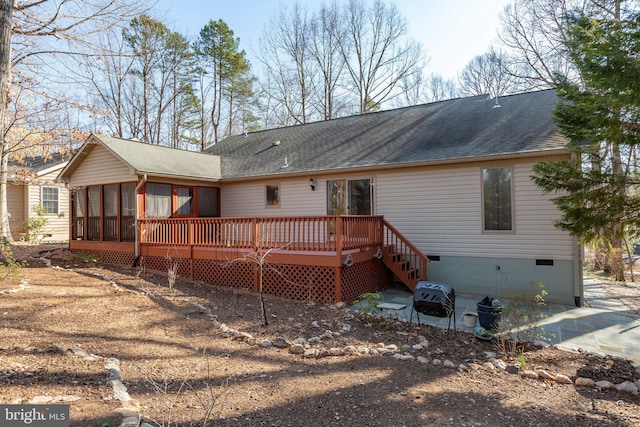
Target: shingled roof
{"points": [[37, 164], [463, 129], [151, 159]]}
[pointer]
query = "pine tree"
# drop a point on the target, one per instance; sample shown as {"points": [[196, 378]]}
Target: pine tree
{"points": [[601, 118]]}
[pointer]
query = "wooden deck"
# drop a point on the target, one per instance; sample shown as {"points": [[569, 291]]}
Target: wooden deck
{"points": [[320, 246]]}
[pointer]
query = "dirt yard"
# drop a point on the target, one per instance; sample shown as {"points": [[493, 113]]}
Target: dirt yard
{"points": [[114, 341]]}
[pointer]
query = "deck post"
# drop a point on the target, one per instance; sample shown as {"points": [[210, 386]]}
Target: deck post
{"points": [[339, 238], [190, 240], [256, 239], [339, 232]]}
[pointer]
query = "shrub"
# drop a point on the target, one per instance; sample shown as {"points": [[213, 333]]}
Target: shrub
{"points": [[367, 304], [522, 314], [36, 224]]}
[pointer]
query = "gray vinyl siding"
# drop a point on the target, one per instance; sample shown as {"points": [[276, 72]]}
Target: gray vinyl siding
{"points": [[296, 198], [100, 167], [440, 209]]}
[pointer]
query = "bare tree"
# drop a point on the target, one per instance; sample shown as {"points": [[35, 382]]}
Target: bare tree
{"points": [[284, 53], [414, 91], [486, 74], [325, 35], [420, 89], [6, 24], [35, 36], [258, 258], [109, 75], [343, 59], [269, 109], [438, 88], [535, 34], [534, 30], [377, 52]]}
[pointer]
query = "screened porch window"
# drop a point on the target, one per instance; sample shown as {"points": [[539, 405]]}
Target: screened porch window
{"points": [[93, 210], [128, 212], [496, 197], [110, 217], [208, 202], [77, 220], [158, 200], [184, 201]]}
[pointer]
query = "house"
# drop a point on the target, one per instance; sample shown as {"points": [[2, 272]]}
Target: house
{"points": [[31, 183], [440, 191]]}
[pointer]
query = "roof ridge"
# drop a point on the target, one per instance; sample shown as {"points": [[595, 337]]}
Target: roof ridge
{"points": [[354, 116], [101, 137]]}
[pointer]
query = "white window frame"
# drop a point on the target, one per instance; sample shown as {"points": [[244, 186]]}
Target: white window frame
{"points": [[346, 198], [268, 200], [57, 200]]}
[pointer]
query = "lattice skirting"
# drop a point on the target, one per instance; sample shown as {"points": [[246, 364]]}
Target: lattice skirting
{"points": [[297, 282], [163, 264], [363, 277], [221, 273], [301, 282], [109, 257]]}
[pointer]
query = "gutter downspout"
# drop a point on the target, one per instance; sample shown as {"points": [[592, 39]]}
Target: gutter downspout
{"points": [[136, 254], [578, 258], [578, 276]]}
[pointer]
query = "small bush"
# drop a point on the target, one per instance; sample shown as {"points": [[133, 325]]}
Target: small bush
{"points": [[10, 269], [36, 225], [522, 314], [367, 304]]}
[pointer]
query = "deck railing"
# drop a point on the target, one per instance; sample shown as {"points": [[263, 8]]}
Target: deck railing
{"points": [[405, 260], [304, 233]]}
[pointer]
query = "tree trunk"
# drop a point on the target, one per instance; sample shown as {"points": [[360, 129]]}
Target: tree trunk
{"points": [[617, 227], [6, 22]]}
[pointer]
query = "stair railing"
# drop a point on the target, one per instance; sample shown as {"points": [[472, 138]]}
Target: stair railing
{"points": [[402, 257]]}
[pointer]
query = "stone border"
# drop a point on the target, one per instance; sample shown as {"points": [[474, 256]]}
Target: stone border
{"points": [[313, 348]]}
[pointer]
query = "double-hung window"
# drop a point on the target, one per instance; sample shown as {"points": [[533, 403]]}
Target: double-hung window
{"points": [[50, 200]]}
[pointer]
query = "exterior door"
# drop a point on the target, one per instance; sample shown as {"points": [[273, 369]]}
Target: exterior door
{"points": [[349, 197]]}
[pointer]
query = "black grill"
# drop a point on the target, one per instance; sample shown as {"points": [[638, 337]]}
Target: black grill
{"points": [[435, 299]]}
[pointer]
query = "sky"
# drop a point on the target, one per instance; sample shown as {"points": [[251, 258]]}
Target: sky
{"points": [[452, 32]]}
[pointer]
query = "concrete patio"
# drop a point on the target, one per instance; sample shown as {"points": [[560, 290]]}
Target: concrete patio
{"points": [[604, 327]]}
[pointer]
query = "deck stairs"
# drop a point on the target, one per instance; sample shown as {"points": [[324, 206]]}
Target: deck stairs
{"points": [[406, 261]]}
